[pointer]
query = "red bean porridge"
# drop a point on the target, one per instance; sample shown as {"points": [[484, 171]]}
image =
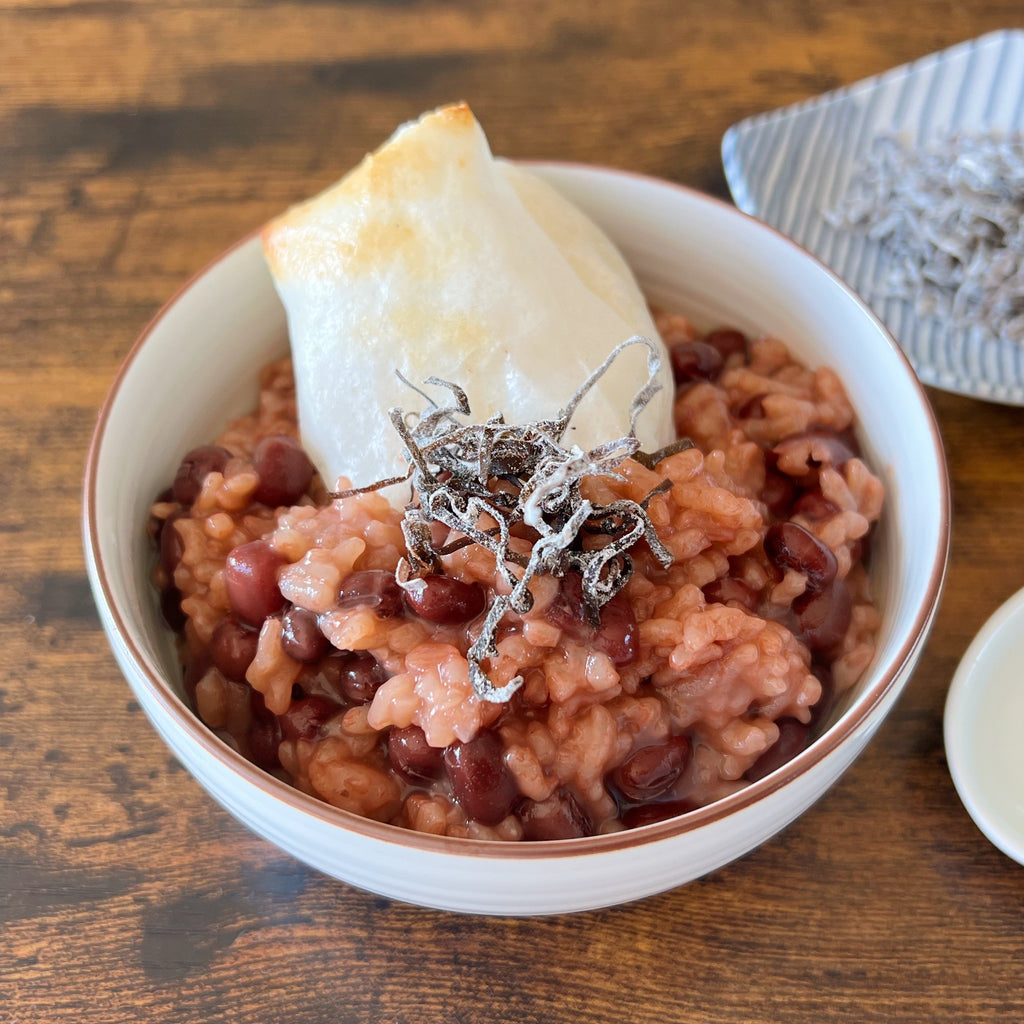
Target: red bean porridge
{"points": [[301, 650]]}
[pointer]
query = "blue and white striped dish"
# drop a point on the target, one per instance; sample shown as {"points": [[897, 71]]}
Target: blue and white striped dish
{"points": [[789, 166]]}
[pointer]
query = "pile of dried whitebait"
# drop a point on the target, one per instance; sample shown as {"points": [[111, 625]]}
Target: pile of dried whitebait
{"points": [[950, 218]]}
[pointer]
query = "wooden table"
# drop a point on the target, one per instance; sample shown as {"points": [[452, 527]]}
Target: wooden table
{"points": [[138, 139]]}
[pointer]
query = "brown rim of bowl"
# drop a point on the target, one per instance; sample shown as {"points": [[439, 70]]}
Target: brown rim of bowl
{"points": [[849, 723]]}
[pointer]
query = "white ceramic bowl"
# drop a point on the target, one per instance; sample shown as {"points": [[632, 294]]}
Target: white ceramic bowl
{"points": [[197, 364]]}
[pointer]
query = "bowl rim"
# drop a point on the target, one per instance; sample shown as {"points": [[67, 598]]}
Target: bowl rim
{"points": [[346, 821]]}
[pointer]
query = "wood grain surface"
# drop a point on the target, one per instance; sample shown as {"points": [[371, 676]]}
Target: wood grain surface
{"points": [[137, 140]]}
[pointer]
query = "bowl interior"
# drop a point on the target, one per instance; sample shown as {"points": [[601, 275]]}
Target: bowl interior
{"points": [[702, 258], [198, 364], [195, 367]]}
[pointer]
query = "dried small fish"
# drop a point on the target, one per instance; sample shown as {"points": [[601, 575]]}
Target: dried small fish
{"points": [[469, 475], [950, 218]]}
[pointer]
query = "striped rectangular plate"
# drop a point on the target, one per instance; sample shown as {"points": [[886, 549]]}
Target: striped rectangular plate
{"points": [[787, 167]]}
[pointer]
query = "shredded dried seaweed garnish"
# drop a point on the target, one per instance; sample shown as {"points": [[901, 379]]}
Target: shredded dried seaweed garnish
{"points": [[468, 476], [650, 459]]}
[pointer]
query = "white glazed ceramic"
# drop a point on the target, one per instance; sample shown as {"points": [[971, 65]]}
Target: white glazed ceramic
{"points": [[197, 364], [984, 709]]}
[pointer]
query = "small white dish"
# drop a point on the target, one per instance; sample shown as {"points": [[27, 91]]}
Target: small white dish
{"points": [[788, 167], [984, 709]]}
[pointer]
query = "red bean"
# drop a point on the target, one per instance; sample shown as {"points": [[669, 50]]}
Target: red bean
{"points": [[233, 647], [558, 817], [303, 719], [445, 600], [170, 608], [284, 470], [860, 549], [790, 546], [172, 547], [301, 638], [617, 635], [250, 578], [188, 481], [695, 360], [824, 617], [568, 612], [353, 677], [752, 408], [412, 756], [648, 814], [823, 708], [375, 589], [732, 591], [265, 735], [264, 740], [480, 779], [792, 739], [815, 506], [777, 493], [728, 341], [652, 770], [325, 676], [195, 671]]}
